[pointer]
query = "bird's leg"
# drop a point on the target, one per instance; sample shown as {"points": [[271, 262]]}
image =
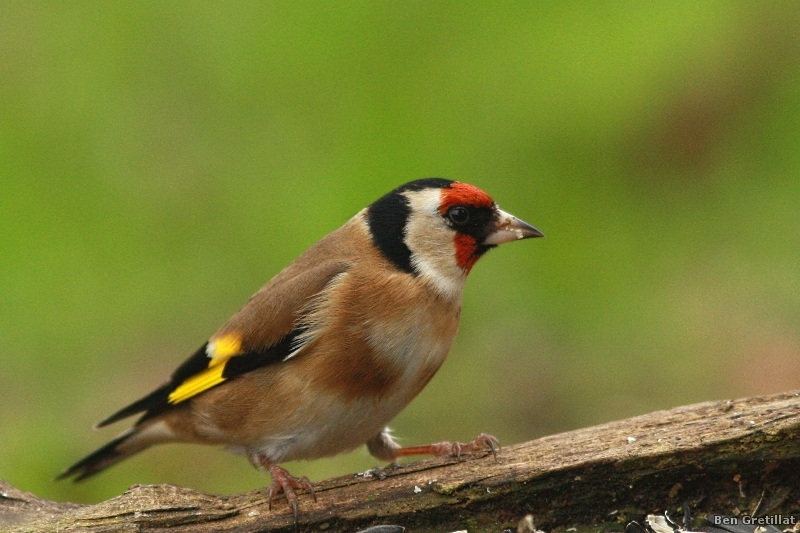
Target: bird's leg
{"points": [[484, 442], [283, 481], [385, 448]]}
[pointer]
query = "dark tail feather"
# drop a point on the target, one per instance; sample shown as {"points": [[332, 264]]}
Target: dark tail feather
{"points": [[100, 459], [153, 401]]}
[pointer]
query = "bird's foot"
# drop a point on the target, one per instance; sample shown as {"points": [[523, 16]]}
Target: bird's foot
{"points": [[283, 481], [484, 442]]}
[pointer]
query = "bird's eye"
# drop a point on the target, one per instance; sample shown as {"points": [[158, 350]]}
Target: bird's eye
{"points": [[459, 215]]}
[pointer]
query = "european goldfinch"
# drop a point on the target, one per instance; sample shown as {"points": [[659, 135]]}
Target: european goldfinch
{"points": [[320, 359]]}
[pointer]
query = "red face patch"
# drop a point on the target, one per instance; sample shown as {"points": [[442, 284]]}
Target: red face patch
{"points": [[466, 246], [458, 193], [463, 194]]}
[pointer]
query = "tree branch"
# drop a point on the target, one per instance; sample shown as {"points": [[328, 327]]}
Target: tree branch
{"points": [[715, 456]]}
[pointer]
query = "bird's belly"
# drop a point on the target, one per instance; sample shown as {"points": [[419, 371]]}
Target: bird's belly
{"points": [[334, 427], [334, 423]]}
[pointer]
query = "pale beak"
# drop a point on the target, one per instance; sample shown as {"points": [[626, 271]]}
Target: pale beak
{"points": [[510, 228]]}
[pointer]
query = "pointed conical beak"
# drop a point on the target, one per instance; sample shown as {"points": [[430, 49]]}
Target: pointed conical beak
{"points": [[510, 228]]}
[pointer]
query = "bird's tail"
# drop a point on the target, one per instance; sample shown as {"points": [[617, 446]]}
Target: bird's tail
{"points": [[126, 444]]}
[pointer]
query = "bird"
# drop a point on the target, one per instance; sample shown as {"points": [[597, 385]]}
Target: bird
{"points": [[329, 351]]}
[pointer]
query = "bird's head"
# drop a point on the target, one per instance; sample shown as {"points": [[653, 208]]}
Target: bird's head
{"points": [[437, 229]]}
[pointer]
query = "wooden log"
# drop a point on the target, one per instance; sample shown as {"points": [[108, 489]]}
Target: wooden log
{"points": [[726, 456]]}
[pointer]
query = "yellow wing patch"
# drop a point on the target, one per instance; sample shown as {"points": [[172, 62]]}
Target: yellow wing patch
{"points": [[219, 351], [197, 384]]}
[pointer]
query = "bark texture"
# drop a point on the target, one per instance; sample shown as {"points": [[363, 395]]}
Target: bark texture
{"points": [[724, 457]]}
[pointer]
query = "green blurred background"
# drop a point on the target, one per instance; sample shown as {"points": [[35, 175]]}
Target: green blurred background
{"points": [[159, 162]]}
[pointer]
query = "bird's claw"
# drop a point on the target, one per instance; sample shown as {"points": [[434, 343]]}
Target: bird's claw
{"points": [[284, 482], [484, 441]]}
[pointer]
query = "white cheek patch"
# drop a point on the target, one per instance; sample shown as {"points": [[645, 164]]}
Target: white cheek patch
{"points": [[432, 245]]}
